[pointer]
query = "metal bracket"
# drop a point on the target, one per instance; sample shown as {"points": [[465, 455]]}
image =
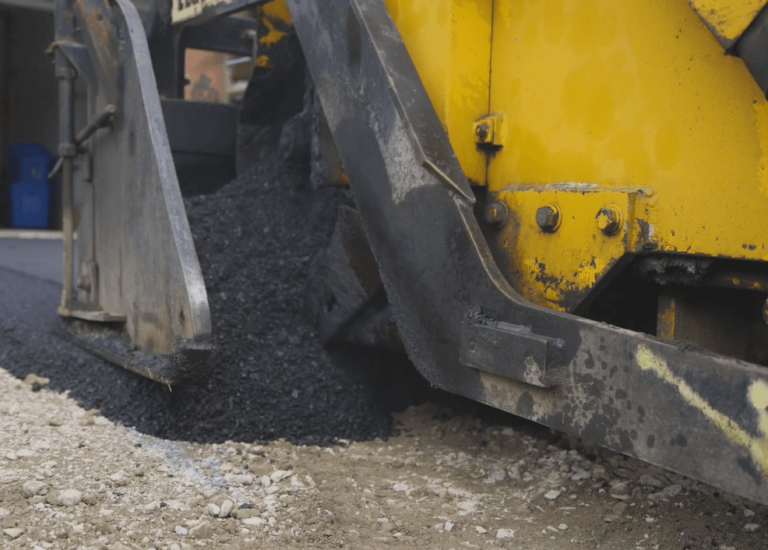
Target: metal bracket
{"points": [[78, 55], [487, 132], [512, 351]]}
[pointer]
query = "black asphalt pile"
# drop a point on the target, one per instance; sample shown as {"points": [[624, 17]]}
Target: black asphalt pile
{"points": [[256, 238]]}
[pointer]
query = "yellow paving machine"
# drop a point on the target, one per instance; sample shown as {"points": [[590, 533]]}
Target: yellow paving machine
{"points": [[564, 202]]}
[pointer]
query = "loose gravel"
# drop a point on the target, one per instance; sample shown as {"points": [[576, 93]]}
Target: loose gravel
{"points": [[452, 478]]}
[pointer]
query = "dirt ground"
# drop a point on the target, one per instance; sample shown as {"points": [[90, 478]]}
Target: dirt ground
{"points": [[70, 478]]}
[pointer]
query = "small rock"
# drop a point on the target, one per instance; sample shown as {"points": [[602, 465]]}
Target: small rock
{"points": [[562, 527], [254, 522], [4, 512], [467, 505], [497, 474], [625, 473], [226, 508], [31, 379], [89, 499], [234, 478], [278, 475], [265, 481], [245, 513], [619, 508], [14, 532], [650, 481], [213, 510], [25, 453], [550, 495], [403, 487], [579, 474], [665, 494], [480, 530], [386, 527], [201, 531], [32, 488], [181, 531], [751, 527], [620, 491], [448, 526], [505, 533], [55, 421], [117, 546], [68, 497], [747, 513], [118, 480], [11, 456]]}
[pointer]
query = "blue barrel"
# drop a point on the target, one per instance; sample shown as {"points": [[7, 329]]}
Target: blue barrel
{"points": [[30, 202], [29, 190]]}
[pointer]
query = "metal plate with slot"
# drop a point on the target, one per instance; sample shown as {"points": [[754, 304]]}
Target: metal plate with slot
{"points": [[512, 351]]}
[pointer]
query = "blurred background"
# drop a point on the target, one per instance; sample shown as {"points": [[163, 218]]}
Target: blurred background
{"points": [[29, 200]]}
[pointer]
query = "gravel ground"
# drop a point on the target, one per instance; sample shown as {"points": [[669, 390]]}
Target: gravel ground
{"points": [[451, 478]]}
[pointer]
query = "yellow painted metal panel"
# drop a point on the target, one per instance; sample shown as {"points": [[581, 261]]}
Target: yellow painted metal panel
{"points": [[727, 18], [558, 269], [450, 45], [634, 94]]}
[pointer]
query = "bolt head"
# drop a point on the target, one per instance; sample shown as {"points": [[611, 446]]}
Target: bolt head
{"points": [[608, 220], [548, 218], [496, 214], [482, 131]]}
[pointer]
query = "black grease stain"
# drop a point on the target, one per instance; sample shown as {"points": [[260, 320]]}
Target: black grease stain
{"points": [[749, 467], [621, 394], [589, 363], [524, 405], [681, 440], [650, 441], [625, 442]]}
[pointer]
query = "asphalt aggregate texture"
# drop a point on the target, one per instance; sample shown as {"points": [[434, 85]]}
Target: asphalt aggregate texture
{"points": [[256, 238]]}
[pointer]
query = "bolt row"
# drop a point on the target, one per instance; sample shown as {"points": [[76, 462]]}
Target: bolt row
{"points": [[548, 217]]}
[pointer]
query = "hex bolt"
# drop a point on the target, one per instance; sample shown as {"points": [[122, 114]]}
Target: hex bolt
{"points": [[482, 131], [496, 214], [548, 218], [608, 220]]}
